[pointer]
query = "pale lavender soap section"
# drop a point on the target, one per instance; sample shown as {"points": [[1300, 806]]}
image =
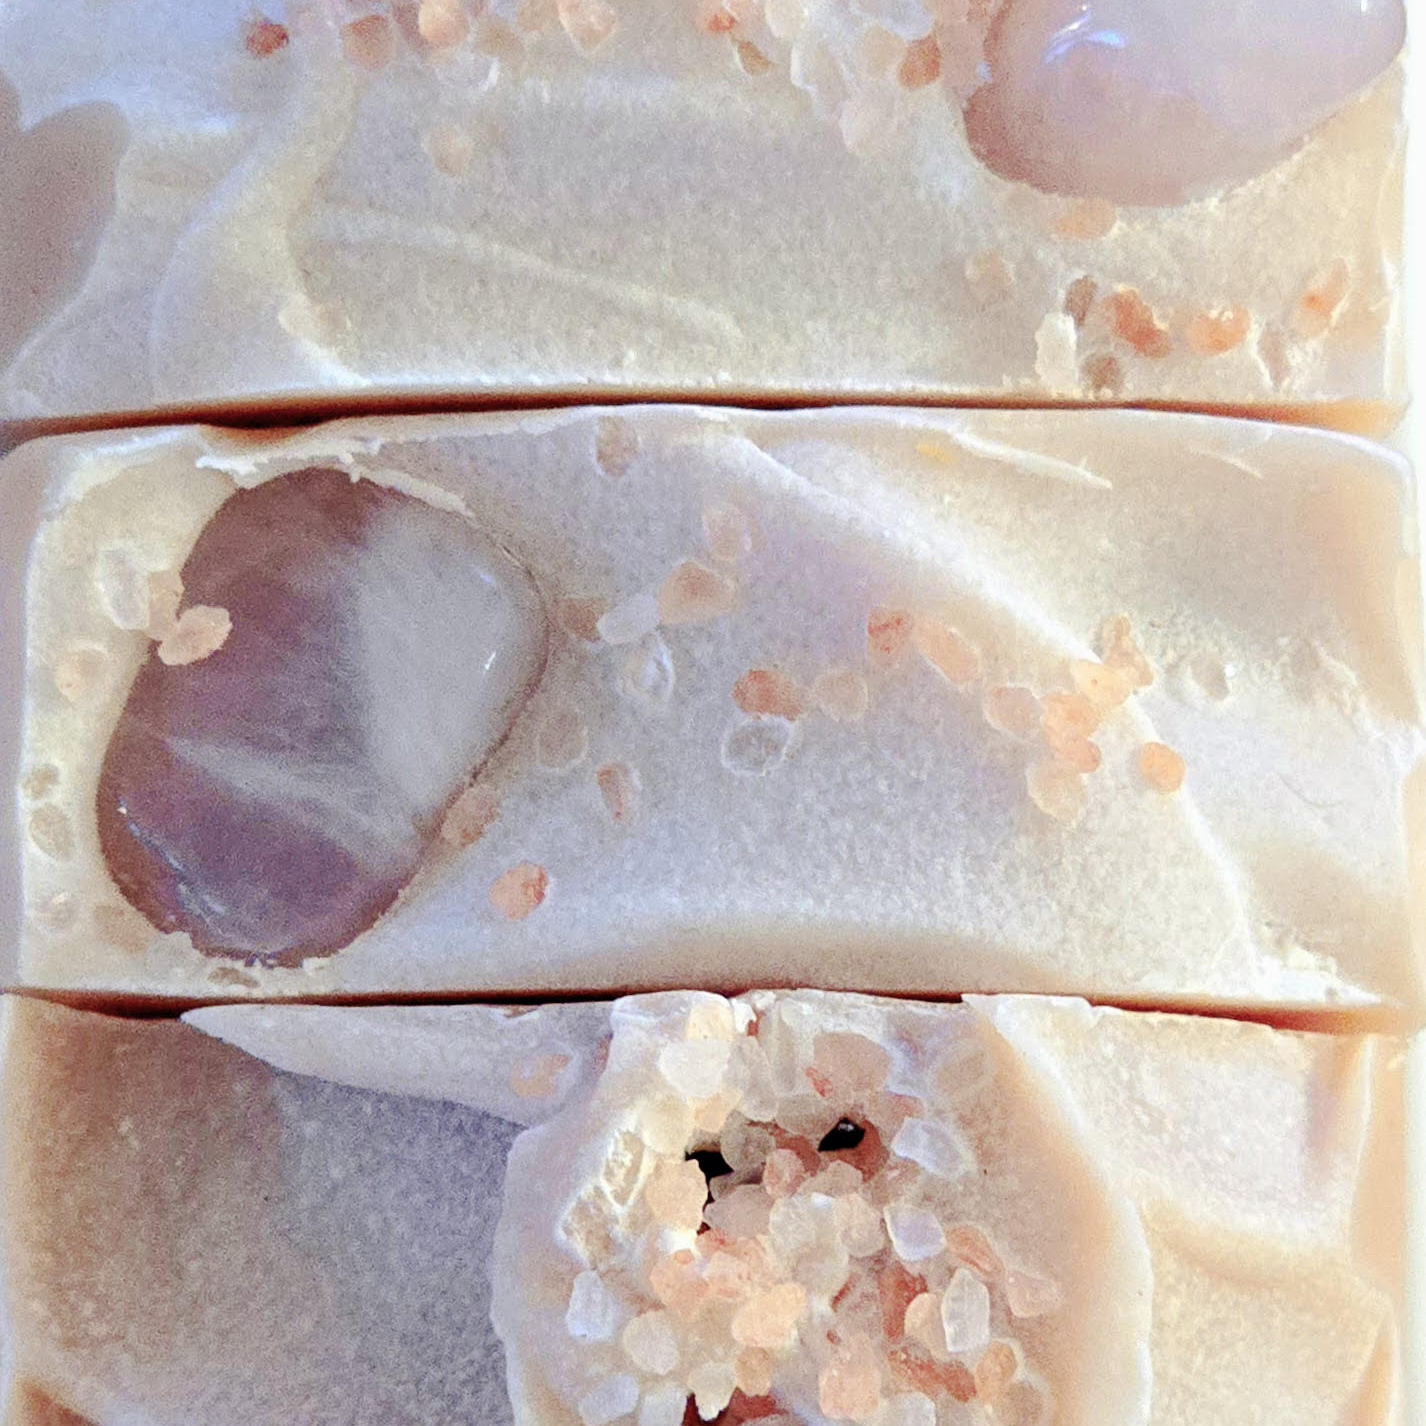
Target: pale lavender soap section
{"points": [[1160, 101]]}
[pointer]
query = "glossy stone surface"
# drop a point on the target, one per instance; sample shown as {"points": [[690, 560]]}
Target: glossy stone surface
{"points": [[272, 798], [1156, 101]]}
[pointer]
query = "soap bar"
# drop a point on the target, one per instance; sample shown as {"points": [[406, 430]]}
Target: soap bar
{"points": [[315, 204], [785, 1207], [1108, 703]]}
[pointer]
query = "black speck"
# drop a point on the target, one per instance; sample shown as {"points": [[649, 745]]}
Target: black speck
{"points": [[842, 1135]]}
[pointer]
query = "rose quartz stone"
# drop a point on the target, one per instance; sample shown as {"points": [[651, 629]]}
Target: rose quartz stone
{"points": [[1158, 101], [272, 799]]}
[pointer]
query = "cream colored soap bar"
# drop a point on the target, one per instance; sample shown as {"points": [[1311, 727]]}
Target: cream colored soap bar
{"points": [[790, 1208], [757, 199], [1117, 704]]}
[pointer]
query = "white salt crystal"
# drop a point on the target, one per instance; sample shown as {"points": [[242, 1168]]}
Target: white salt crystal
{"points": [[593, 1315], [915, 1233], [695, 1068], [614, 1397], [938, 1148], [965, 1313]]}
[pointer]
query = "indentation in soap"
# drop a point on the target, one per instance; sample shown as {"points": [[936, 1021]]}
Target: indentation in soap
{"points": [[272, 798], [58, 181], [1161, 101]]}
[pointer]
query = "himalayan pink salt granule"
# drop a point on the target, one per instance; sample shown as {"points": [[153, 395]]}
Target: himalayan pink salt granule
{"points": [[768, 1319], [538, 1077], [520, 890], [1057, 789], [579, 618], [1085, 220], [783, 1173], [263, 37], [769, 691], [651, 1343], [888, 631], [754, 1366], [369, 42], [470, 816], [973, 1248], [675, 1194], [587, 22], [849, 1387], [619, 787], [852, 1063], [1161, 768], [1134, 322], [1212, 333], [442, 23], [923, 1324], [921, 64], [616, 445], [1066, 715], [1317, 307], [728, 531], [1012, 709], [990, 278], [912, 1366], [952, 655], [840, 694], [1119, 650], [1106, 687], [1079, 299], [694, 594], [1030, 1296], [995, 1371], [1079, 753], [198, 633], [80, 673]]}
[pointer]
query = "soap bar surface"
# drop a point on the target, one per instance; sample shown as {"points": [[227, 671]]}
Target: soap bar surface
{"points": [[762, 198], [1016, 1209], [1111, 703]]}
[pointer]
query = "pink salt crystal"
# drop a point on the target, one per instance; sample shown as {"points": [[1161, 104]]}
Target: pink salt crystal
{"points": [[898, 1287], [49, 832], [995, 1371], [916, 1233], [1020, 1404], [80, 673], [728, 531], [849, 1386], [1212, 333], [538, 1077], [923, 1324], [989, 277], [1136, 323], [741, 1212], [1069, 715], [912, 1366], [1159, 101], [1105, 686], [561, 736], [837, 1180], [860, 1226], [263, 37], [783, 1173], [1088, 219], [921, 64], [713, 17], [442, 23], [973, 1248], [750, 58], [1119, 650], [678, 1284], [712, 1385], [888, 631], [768, 691], [650, 1343], [840, 694], [165, 595], [616, 443], [1013, 710], [694, 594], [675, 1193], [369, 42], [619, 787], [272, 799], [768, 1319], [853, 1064], [519, 891], [754, 1370], [1318, 304], [199, 632], [1079, 299], [1075, 752], [1027, 1295], [965, 1313], [1161, 767], [587, 22], [1057, 789], [470, 816], [953, 656]]}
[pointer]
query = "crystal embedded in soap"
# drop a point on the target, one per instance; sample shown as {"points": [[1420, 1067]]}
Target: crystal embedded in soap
{"points": [[771, 1240], [630, 198], [269, 790], [1113, 702]]}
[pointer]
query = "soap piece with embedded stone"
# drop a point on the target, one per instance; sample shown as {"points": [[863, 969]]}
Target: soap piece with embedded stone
{"points": [[747, 1204], [1123, 200], [1103, 702]]}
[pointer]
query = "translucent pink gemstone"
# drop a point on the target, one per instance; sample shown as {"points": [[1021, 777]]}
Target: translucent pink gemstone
{"points": [[1158, 101], [273, 798]]}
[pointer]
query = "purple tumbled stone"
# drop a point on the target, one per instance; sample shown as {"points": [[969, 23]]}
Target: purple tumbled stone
{"points": [[272, 799]]}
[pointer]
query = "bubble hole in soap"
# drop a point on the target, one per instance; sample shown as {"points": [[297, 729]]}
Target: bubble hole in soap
{"points": [[272, 798], [1162, 101]]}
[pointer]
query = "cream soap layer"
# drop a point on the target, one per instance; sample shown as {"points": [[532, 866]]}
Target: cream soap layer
{"points": [[1117, 704], [780, 199], [790, 1207]]}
